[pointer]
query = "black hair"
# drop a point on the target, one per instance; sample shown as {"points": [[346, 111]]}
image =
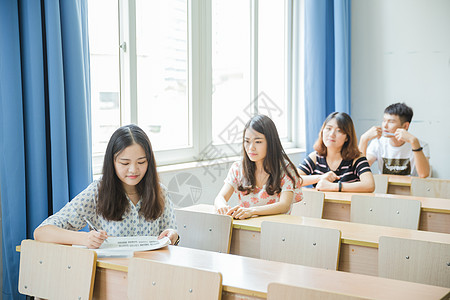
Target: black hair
{"points": [[275, 162], [112, 202], [403, 111]]}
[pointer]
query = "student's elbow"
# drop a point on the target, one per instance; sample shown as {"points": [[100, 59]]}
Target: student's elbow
{"points": [[371, 188], [368, 185], [423, 175], [37, 234], [371, 185]]}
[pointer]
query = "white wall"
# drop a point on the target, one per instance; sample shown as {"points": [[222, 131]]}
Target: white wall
{"points": [[401, 53]]}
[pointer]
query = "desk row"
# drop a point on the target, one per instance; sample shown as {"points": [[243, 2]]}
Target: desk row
{"points": [[359, 242], [248, 278], [434, 212]]}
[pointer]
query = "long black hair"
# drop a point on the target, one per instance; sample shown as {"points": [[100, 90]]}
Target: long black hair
{"points": [[275, 162], [112, 202]]}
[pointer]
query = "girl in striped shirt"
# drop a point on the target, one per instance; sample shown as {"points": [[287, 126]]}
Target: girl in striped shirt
{"points": [[337, 164]]}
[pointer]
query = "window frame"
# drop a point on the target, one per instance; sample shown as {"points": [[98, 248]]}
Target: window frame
{"points": [[200, 77]]}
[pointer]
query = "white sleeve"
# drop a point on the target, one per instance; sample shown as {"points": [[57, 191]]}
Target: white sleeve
{"points": [[372, 149]]}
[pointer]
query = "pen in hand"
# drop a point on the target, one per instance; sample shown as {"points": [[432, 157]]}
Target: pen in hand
{"points": [[93, 227]]}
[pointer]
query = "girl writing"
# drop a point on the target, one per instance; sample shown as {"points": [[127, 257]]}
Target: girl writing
{"points": [[127, 201]]}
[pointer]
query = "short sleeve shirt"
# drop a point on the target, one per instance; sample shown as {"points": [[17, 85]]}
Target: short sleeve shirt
{"points": [[84, 205], [259, 196], [348, 170], [395, 160]]}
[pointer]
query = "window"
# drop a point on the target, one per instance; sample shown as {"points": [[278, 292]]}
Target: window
{"points": [[191, 72]]}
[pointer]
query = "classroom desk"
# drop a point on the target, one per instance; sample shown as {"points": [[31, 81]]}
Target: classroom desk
{"points": [[359, 242], [399, 184], [434, 216], [248, 278]]}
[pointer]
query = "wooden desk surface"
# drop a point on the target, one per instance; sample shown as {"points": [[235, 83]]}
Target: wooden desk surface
{"points": [[352, 233], [439, 205], [400, 180], [250, 277]]}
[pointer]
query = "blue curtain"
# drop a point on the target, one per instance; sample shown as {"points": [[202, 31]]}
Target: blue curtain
{"points": [[45, 140], [327, 62]]}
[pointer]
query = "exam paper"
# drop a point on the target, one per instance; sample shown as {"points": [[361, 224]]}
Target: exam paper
{"points": [[126, 246]]}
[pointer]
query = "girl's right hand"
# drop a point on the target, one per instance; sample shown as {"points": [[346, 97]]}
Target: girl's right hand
{"points": [[373, 132], [94, 239], [329, 176], [223, 210]]}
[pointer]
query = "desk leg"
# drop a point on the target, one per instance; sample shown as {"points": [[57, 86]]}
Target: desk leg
{"points": [[436, 222], [110, 284], [245, 243], [358, 259]]}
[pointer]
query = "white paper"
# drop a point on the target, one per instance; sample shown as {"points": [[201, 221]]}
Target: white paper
{"points": [[126, 246]]}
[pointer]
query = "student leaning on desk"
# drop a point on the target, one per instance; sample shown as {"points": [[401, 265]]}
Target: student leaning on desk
{"points": [[337, 165], [265, 180], [127, 201]]}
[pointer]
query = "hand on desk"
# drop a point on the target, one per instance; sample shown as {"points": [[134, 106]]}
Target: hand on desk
{"points": [[329, 176], [171, 234], [94, 239], [223, 210], [326, 182], [239, 212], [325, 185]]}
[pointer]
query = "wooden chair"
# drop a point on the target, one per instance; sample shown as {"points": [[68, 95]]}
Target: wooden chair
{"points": [[393, 212], [149, 279], [276, 291], [204, 231], [300, 244], [53, 271], [414, 260], [311, 205], [381, 183], [430, 187]]}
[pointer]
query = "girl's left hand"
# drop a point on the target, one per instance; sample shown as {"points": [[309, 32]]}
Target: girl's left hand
{"points": [[239, 212], [171, 234], [325, 185]]}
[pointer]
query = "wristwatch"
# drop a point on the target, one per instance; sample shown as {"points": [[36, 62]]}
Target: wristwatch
{"points": [[177, 241], [418, 149]]}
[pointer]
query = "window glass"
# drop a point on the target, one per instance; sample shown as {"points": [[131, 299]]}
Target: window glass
{"points": [[230, 68], [105, 86], [163, 108], [272, 98]]}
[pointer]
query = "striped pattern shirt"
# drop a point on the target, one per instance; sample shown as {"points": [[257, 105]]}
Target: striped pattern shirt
{"points": [[347, 170]]}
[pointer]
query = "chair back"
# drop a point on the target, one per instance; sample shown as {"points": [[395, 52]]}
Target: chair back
{"points": [[311, 206], [381, 183], [430, 187], [300, 244], [393, 212], [276, 291], [413, 260], [53, 271], [204, 231], [149, 279]]}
